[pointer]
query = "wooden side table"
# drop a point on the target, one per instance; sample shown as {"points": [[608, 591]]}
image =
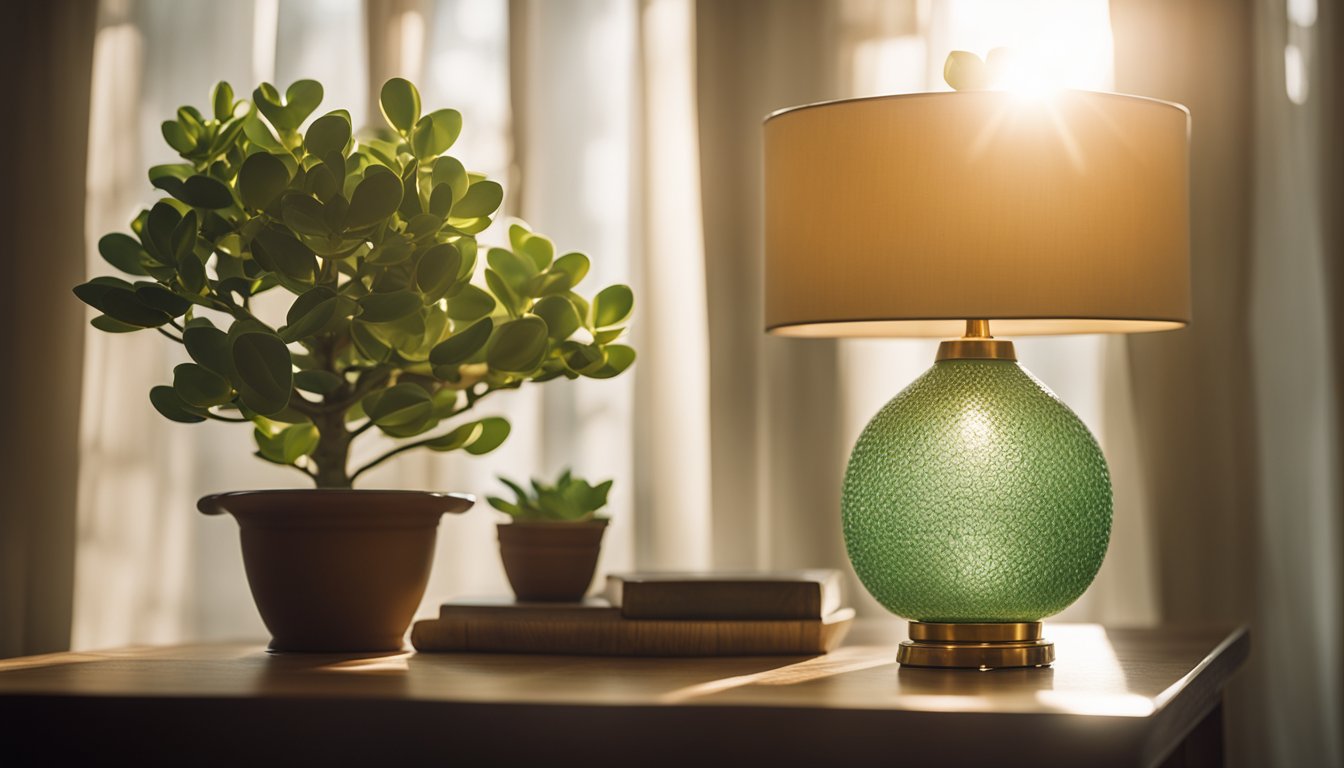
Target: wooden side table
{"points": [[1113, 697]]}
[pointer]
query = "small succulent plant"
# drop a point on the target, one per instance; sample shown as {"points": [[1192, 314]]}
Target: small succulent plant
{"points": [[568, 500], [374, 240]]}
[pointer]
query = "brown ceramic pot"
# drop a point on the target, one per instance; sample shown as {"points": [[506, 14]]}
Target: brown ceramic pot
{"points": [[336, 570], [550, 562]]}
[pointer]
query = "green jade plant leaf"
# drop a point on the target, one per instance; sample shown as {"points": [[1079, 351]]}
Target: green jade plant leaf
{"points": [[374, 241]]}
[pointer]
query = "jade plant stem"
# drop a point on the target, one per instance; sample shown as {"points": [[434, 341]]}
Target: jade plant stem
{"points": [[472, 399], [331, 457], [332, 452]]}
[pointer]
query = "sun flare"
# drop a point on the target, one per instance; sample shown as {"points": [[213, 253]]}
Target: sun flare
{"points": [[1038, 47]]}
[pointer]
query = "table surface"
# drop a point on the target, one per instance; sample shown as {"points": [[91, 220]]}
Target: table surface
{"points": [[1114, 696]]}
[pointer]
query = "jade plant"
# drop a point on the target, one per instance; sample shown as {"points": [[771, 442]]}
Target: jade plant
{"points": [[367, 248], [568, 500]]}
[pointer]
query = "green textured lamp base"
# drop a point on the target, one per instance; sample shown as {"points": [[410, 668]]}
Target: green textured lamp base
{"points": [[976, 646], [976, 498]]}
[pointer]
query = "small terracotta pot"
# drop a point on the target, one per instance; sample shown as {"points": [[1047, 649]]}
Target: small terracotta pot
{"points": [[550, 562], [336, 570]]}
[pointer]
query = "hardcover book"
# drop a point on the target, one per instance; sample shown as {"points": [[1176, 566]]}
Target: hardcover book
{"points": [[807, 594], [595, 627]]}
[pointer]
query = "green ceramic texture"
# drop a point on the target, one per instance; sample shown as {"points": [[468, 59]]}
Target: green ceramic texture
{"points": [[976, 495]]}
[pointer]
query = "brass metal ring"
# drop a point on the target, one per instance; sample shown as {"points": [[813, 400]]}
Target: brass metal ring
{"points": [[976, 349], [1016, 631], [976, 646], [1030, 653]]}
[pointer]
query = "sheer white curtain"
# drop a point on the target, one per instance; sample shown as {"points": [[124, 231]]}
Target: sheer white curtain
{"points": [[588, 110], [630, 129], [146, 568], [1239, 414], [1298, 532]]}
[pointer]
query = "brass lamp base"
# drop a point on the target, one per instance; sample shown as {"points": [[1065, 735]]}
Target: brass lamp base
{"points": [[976, 646]]}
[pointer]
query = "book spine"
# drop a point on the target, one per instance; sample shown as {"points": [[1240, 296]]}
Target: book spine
{"points": [[721, 600], [629, 637]]}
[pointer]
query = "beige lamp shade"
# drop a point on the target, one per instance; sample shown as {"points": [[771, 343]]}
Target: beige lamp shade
{"points": [[907, 215]]}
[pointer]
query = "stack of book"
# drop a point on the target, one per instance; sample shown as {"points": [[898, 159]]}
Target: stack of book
{"points": [[656, 614]]}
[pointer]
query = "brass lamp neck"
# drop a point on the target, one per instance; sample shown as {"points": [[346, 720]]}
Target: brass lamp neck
{"points": [[977, 344], [977, 329]]}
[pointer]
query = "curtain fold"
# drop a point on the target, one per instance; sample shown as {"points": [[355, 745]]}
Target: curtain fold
{"points": [[49, 48], [672, 426], [1192, 388], [774, 403], [148, 568], [1299, 596], [1330, 77], [395, 36], [1236, 414], [573, 87]]}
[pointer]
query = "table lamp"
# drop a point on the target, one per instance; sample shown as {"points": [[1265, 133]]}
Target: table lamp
{"points": [[975, 502]]}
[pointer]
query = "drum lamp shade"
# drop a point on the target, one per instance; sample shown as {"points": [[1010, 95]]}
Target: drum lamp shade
{"points": [[907, 215]]}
